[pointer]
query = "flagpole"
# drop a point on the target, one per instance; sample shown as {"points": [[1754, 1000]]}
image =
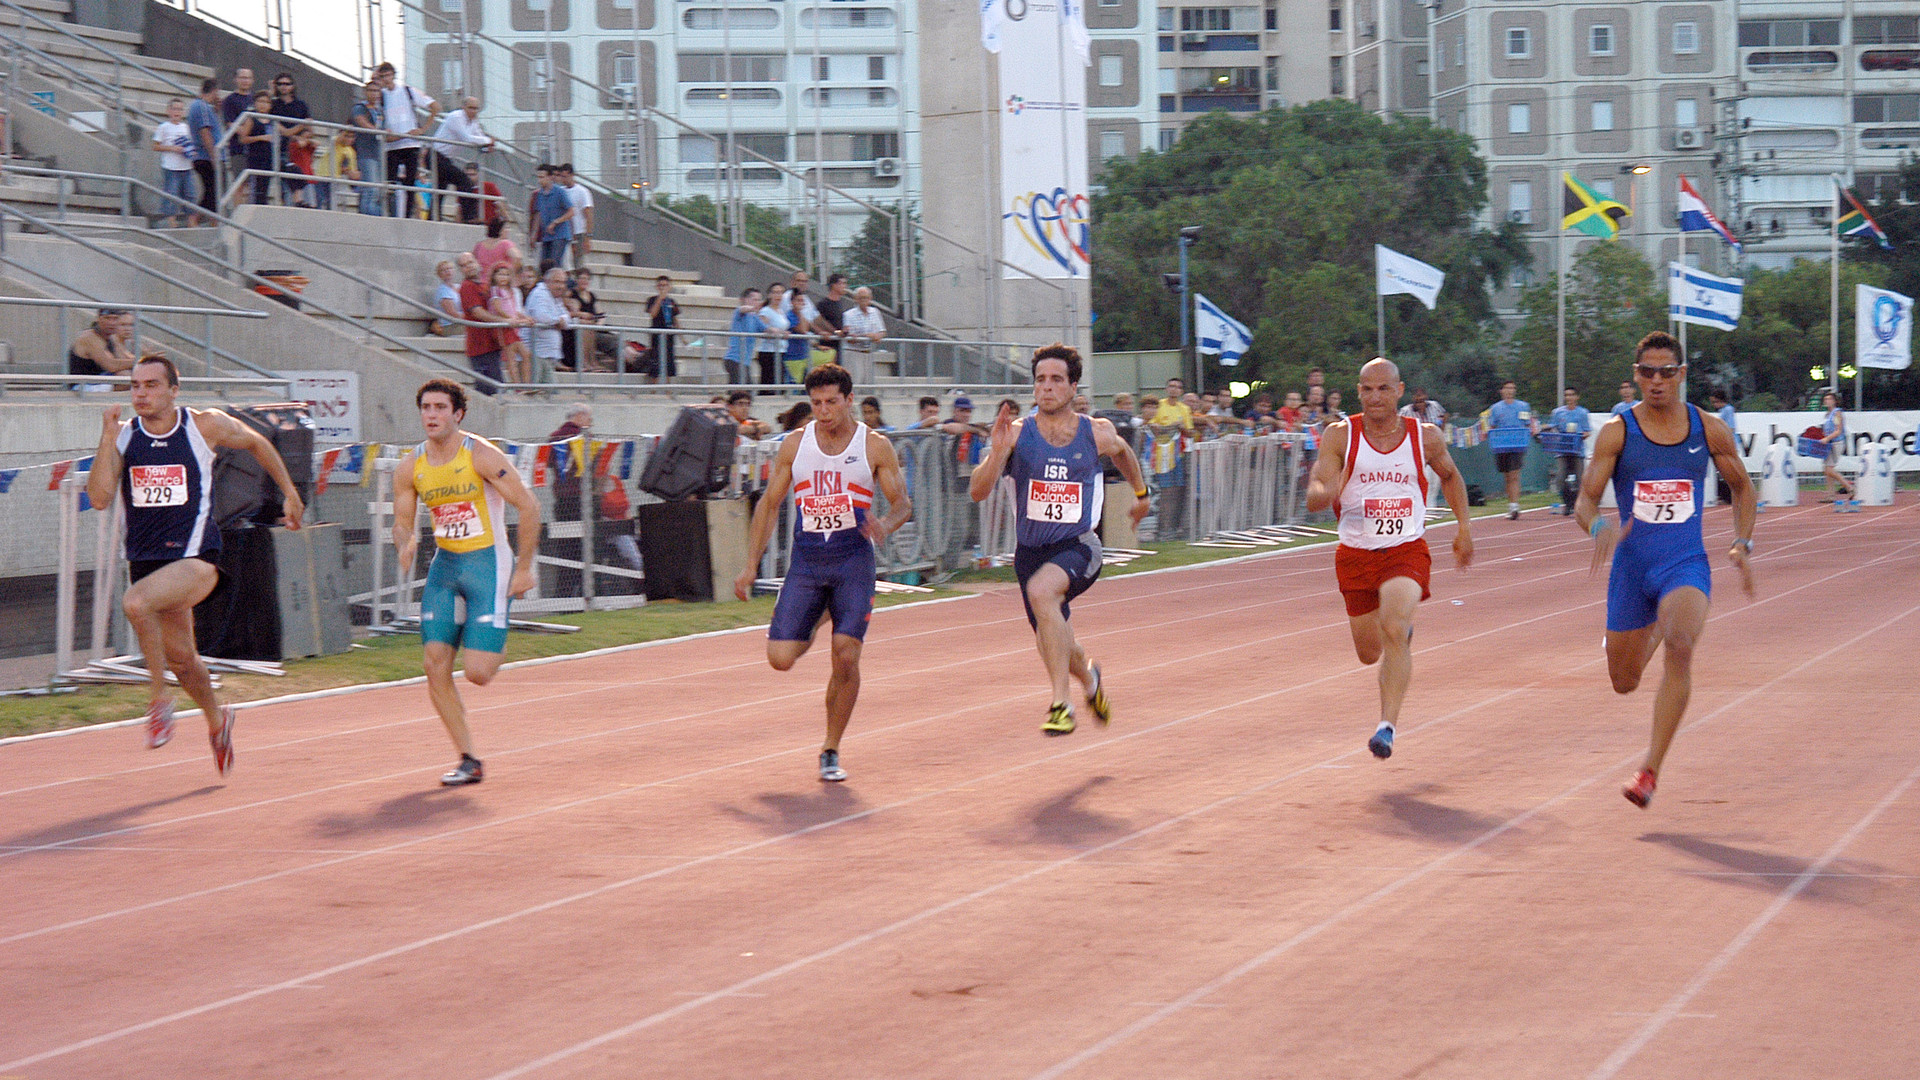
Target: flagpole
{"points": [[1682, 315], [1380, 315], [1833, 310], [1560, 323]]}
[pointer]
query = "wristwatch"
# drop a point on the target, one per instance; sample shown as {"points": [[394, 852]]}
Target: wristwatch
{"points": [[1745, 543]]}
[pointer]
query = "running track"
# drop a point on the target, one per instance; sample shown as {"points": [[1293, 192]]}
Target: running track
{"points": [[1224, 884]]}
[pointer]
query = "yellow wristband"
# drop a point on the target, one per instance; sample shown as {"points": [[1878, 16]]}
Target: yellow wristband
{"points": [[1141, 494]]}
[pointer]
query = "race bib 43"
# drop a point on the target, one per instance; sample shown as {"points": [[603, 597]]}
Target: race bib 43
{"points": [[455, 521], [826, 513], [158, 485], [1662, 502], [1053, 501]]}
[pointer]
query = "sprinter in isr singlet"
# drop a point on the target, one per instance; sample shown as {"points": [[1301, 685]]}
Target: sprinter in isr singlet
{"points": [[1373, 472]]}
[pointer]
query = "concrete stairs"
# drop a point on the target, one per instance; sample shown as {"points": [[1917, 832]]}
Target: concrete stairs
{"points": [[143, 91]]}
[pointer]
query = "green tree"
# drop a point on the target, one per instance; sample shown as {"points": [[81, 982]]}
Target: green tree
{"points": [[766, 228], [869, 257], [1291, 203], [1899, 270], [1613, 300], [1783, 333]]}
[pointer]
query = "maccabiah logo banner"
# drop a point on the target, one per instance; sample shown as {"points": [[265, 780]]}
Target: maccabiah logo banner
{"points": [[1046, 222]]}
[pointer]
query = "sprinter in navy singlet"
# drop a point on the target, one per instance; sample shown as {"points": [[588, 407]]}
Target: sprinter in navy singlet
{"points": [[1053, 459], [161, 463], [1655, 454], [833, 466]]}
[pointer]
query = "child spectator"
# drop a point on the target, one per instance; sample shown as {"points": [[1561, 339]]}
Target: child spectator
{"points": [[174, 143], [504, 300], [337, 161]]}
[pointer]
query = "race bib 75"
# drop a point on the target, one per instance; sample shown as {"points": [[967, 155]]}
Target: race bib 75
{"points": [[1662, 502]]}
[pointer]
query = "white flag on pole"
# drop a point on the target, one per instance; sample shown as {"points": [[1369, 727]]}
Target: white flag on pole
{"points": [[1397, 273], [1700, 298], [1217, 332], [993, 16], [1073, 15], [1882, 328]]}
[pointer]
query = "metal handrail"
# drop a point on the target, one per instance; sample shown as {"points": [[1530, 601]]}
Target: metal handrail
{"points": [[230, 313], [9, 378], [115, 102], [119, 59]]}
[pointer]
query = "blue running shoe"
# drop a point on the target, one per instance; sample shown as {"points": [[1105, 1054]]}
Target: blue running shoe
{"points": [[1382, 743]]}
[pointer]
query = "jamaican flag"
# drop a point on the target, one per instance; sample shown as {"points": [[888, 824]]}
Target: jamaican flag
{"points": [[1584, 210], [1855, 221]]}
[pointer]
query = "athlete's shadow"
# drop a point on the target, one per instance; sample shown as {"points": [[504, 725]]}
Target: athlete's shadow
{"points": [[1765, 872], [106, 821], [1061, 821], [402, 812], [784, 812], [1437, 822]]}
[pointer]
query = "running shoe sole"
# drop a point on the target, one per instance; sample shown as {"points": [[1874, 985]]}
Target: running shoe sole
{"points": [[1639, 791], [461, 775], [830, 770], [159, 724], [1097, 699], [1381, 744], [223, 742], [1059, 722]]}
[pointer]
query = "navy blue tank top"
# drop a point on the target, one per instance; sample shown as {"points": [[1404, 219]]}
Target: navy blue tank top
{"points": [[1058, 490], [1658, 488], [166, 483]]}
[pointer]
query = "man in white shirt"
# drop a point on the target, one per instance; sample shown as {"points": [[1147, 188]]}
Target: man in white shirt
{"points": [[864, 324], [461, 127], [1425, 410], [547, 307], [404, 108], [582, 201]]}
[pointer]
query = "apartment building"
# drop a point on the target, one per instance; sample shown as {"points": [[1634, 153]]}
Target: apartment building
{"points": [[1247, 57]]}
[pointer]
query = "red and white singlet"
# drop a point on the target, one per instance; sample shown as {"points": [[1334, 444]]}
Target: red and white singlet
{"points": [[832, 494], [1384, 502]]}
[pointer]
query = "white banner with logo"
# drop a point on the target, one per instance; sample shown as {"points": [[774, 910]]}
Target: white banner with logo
{"points": [[1395, 273], [1897, 432], [1046, 220], [334, 398], [1883, 328]]}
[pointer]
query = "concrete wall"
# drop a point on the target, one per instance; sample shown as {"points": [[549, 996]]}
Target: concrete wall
{"points": [[176, 35]]}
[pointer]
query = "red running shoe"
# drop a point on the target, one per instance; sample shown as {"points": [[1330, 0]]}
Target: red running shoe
{"points": [[159, 724], [1640, 792], [222, 741]]}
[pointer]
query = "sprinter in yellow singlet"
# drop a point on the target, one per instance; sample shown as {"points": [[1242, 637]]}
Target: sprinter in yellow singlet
{"points": [[467, 483]]}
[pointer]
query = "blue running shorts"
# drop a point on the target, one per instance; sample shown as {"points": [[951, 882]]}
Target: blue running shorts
{"points": [[1635, 589], [478, 577], [843, 586], [1079, 556]]}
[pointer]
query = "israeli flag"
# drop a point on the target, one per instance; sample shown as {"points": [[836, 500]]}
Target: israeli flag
{"points": [[1217, 332], [1702, 299], [1883, 328]]}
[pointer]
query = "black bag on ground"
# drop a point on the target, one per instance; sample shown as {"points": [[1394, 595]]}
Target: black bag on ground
{"points": [[694, 457]]}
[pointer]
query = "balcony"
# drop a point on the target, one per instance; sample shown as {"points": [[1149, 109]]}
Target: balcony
{"points": [[1232, 102], [1890, 60], [1794, 61], [1219, 42]]}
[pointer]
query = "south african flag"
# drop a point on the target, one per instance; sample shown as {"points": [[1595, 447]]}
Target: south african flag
{"points": [[1855, 221]]}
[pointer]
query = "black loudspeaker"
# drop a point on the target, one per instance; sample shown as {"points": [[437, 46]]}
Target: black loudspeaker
{"points": [[1122, 422], [240, 619], [242, 490], [673, 547], [694, 457]]}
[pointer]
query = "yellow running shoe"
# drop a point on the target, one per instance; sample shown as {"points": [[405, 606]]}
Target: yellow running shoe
{"points": [[1097, 698], [1059, 719]]}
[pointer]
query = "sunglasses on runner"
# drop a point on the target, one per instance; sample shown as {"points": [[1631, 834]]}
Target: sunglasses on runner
{"points": [[1665, 371]]}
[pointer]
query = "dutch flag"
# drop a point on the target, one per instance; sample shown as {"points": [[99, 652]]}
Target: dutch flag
{"points": [[1695, 217]]}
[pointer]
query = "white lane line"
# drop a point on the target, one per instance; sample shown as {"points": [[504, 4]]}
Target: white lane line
{"points": [[1214, 986], [1672, 1010]]}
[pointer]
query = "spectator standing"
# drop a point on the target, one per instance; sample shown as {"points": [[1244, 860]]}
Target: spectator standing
{"points": [[461, 127], [800, 318], [492, 208], [552, 222], [865, 326], [505, 299], [740, 407], [871, 414], [446, 298], [408, 113], [1289, 413], [796, 417], [581, 200], [1222, 411], [368, 119], [1334, 412], [1629, 395], [929, 415], [296, 139], [1172, 427], [173, 142], [833, 308], [1729, 416], [1425, 410], [335, 161], [584, 306], [496, 249], [256, 137], [567, 489], [231, 106], [547, 311], [1511, 425], [1569, 418], [483, 343], [203, 128], [1833, 432], [663, 313], [1262, 416], [745, 321], [773, 320]]}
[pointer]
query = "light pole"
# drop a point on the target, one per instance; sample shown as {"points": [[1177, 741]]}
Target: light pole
{"points": [[1187, 236]]}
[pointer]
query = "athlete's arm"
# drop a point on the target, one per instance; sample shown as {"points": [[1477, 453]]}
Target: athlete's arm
{"points": [[1006, 431], [893, 484], [1434, 448], [1107, 439], [219, 429], [406, 526], [1726, 459], [763, 515], [1586, 509], [494, 468], [1323, 487], [103, 482]]}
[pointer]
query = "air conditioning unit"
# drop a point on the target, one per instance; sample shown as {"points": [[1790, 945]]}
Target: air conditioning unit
{"points": [[887, 166], [1689, 138], [620, 94], [1519, 217], [1193, 39], [1370, 31]]}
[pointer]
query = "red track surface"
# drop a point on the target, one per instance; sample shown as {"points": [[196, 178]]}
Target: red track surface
{"points": [[652, 883]]}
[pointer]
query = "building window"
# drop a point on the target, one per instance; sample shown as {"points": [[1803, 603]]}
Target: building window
{"points": [[1765, 33], [1440, 53], [1273, 17], [455, 7], [1600, 40], [1886, 108], [1887, 30], [1109, 3], [742, 95], [843, 97], [1167, 137], [1602, 188], [713, 18], [1686, 112], [1333, 18], [537, 5], [1519, 43], [1420, 68], [1203, 19], [1219, 80], [1166, 18], [1111, 70], [859, 18], [453, 74], [625, 73], [1460, 51], [1113, 144], [876, 68], [1686, 38], [626, 151], [1603, 116], [1520, 201], [537, 74], [1273, 74], [746, 67], [1519, 118], [1336, 76], [1167, 83]]}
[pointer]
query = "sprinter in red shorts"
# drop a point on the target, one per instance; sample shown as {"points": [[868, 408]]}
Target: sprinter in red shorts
{"points": [[1373, 472]]}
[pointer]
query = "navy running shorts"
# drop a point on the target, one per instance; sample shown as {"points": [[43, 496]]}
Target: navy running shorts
{"points": [[1079, 556], [1635, 589], [843, 587]]}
